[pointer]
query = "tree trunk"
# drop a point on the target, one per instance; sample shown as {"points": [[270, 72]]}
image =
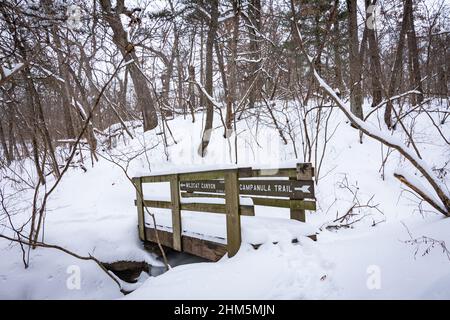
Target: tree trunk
{"points": [[254, 14], [144, 97], [229, 102], [11, 137], [375, 65], [32, 127], [202, 62], [83, 109], [25, 151], [62, 66], [40, 121], [34, 105], [191, 70], [355, 62], [338, 58], [396, 70], [180, 77], [167, 77], [70, 131], [232, 97], [4, 145], [213, 24], [415, 77]]}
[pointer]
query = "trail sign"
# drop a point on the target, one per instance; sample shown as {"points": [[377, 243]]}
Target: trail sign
{"points": [[294, 189], [287, 187]]}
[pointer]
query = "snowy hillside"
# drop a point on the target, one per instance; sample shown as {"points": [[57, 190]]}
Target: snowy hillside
{"points": [[93, 212]]}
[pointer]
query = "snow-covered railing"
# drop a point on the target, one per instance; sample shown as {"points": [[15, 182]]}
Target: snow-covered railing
{"points": [[231, 191]]}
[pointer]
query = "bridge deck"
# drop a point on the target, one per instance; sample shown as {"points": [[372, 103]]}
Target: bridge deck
{"points": [[204, 234]]}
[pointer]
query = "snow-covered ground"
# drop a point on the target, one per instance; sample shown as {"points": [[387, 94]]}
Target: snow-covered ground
{"points": [[93, 213]]}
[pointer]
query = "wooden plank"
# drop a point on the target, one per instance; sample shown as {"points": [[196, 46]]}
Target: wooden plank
{"points": [[157, 204], [212, 251], [232, 211], [140, 207], [281, 172], [285, 203], [190, 194], [268, 202], [160, 178], [273, 188], [207, 175], [216, 208], [278, 188], [219, 174], [213, 186], [245, 210], [200, 207], [211, 175], [176, 213], [246, 172], [165, 237]]}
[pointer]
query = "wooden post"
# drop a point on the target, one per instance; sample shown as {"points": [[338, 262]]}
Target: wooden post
{"points": [[140, 207], [296, 214], [176, 213], [305, 171], [232, 212]]}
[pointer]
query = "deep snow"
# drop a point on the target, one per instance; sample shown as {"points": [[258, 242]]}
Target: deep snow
{"points": [[94, 213]]}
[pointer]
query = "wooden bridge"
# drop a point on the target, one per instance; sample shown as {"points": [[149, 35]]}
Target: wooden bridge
{"points": [[233, 192]]}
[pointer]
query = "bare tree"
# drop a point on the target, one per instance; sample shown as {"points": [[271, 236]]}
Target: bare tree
{"points": [[415, 74], [143, 94], [354, 60], [213, 25], [375, 64]]}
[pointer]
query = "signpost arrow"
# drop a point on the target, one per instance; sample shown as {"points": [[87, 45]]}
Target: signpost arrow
{"points": [[304, 189]]}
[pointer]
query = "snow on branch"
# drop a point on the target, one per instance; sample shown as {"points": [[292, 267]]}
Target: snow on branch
{"points": [[207, 15], [214, 102], [382, 103], [249, 60], [6, 73], [382, 136], [443, 205], [226, 17]]}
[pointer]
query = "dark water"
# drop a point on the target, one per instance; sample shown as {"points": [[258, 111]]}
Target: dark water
{"points": [[176, 259]]}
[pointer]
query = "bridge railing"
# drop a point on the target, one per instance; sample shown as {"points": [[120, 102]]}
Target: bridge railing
{"points": [[294, 191]]}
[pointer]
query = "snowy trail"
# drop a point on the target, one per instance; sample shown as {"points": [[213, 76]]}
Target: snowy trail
{"points": [[288, 272], [336, 267]]}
